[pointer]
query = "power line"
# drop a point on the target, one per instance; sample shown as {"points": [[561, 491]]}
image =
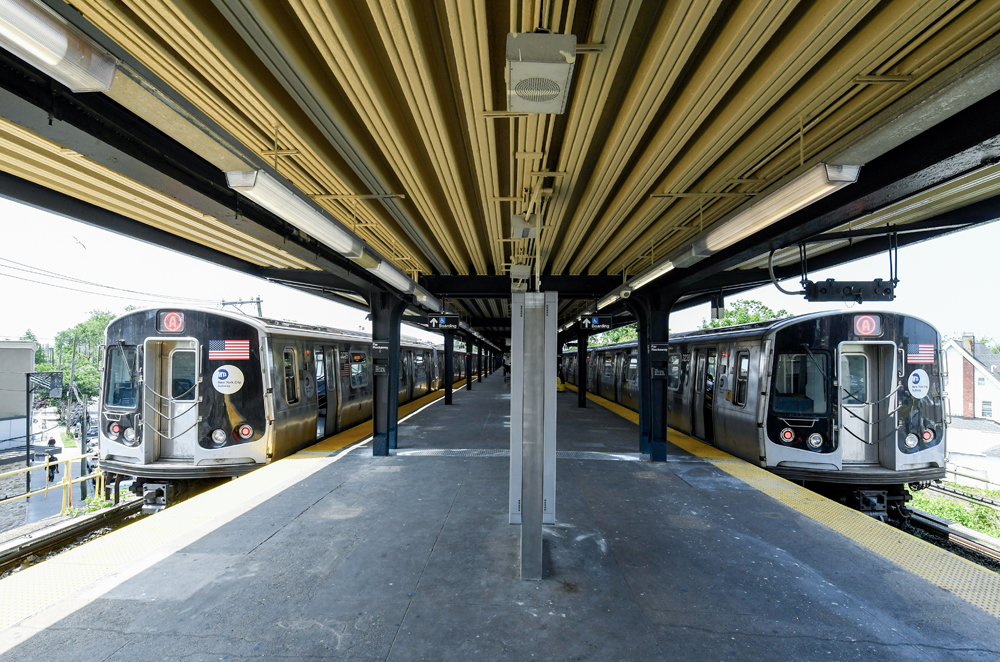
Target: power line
{"points": [[100, 294], [36, 271]]}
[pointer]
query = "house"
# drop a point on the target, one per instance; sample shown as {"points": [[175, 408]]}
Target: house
{"points": [[17, 357], [973, 382]]}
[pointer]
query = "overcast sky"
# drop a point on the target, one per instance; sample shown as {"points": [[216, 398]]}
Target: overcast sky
{"points": [[950, 282]]}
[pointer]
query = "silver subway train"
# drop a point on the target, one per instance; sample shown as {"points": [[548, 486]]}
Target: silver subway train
{"points": [[850, 404], [194, 394]]}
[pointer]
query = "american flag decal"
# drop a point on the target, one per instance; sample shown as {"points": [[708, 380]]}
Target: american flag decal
{"points": [[232, 350], [919, 353]]}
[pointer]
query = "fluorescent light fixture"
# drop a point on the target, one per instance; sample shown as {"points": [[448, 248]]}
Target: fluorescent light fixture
{"points": [[608, 300], [520, 271], [273, 196], [43, 38], [651, 274], [428, 300], [393, 276], [815, 184]]}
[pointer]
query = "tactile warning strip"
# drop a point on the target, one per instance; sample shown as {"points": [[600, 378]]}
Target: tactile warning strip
{"points": [[972, 583]]}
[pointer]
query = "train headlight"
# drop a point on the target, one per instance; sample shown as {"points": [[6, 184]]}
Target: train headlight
{"points": [[815, 440], [928, 435], [911, 441], [113, 431], [219, 438], [244, 431], [787, 435], [129, 435]]}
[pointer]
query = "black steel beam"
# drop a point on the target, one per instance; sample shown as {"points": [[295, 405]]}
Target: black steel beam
{"points": [[498, 287]]}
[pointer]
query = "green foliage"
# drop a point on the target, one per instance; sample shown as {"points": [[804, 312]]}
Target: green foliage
{"points": [[744, 311], [978, 518], [621, 334], [90, 505], [68, 440]]}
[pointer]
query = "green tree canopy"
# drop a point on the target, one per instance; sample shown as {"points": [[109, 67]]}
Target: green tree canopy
{"points": [[621, 334], [744, 311]]}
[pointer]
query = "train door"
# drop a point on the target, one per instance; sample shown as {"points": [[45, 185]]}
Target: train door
{"points": [[858, 438], [171, 375], [710, 364], [322, 399], [698, 398], [334, 388]]}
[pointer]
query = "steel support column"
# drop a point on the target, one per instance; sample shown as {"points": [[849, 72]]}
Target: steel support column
{"points": [[638, 307], [449, 365], [387, 313], [659, 336], [581, 368], [479, 363], [468, 363]]}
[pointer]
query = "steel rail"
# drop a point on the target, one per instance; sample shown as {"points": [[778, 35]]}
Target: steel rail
{"points": [[971, 540]]}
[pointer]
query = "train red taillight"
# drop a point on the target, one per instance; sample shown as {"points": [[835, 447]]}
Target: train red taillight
{"points": [[788, 435], [244, 431], [928, 435]]}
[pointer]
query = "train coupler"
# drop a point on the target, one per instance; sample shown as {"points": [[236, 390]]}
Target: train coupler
{"points": [[873, 503], [157, 496]]}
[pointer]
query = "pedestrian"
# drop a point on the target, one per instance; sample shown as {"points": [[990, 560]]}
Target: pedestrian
{"points": [[52, 457]]}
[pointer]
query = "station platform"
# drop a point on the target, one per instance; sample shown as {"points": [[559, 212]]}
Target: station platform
{"points": [[334, 554]]}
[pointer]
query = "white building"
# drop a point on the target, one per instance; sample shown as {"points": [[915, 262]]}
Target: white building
{"points": [[17, 357], [973, 383]]}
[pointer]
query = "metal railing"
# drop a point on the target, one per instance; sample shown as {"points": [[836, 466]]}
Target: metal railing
{"points": [[951, 469], [65, 484]]}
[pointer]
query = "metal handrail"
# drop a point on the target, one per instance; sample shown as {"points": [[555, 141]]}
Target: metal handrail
{"points": [[163, 436], [170, 418], [65, 484], [146, 386]]}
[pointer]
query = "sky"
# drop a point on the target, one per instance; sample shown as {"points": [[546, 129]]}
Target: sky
{"points": [[949, 281]]}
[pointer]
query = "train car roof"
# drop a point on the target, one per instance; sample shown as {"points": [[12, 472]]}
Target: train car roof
{"points": [[284, 327], [751, 329]]}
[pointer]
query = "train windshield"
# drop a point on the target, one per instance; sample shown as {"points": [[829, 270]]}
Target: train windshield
{"points": [[121, 376], [800, 384]]}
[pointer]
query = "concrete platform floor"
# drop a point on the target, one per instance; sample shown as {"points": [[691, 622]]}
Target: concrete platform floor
{"points": [[411, 558]]}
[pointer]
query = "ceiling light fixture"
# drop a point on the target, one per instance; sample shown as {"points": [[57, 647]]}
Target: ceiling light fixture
{"points": [[281, 201], [49, 42]]}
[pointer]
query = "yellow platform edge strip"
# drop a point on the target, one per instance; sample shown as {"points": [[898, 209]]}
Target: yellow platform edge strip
{"points": [[31, 590], [970, 582]]}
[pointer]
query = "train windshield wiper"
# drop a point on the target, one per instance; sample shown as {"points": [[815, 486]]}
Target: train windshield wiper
{"points": [[121, 349], [819, 366]]}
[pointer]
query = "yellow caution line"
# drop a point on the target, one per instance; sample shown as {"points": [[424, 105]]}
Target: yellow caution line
{"points": [[973, 583], [37, 587]]}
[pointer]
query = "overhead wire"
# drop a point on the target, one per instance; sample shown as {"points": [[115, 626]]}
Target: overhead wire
{"points": [[52, 274], [101, 294]]}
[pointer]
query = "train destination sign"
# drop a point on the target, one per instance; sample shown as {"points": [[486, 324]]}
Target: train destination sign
{"points": [[170, 321], [442, 322], [596, 323]]}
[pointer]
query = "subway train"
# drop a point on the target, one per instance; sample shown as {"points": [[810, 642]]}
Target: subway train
{"points": [[200, 394], [849, 404]]}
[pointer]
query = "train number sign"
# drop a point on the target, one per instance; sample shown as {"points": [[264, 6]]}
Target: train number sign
{"points": [[170, 321]]}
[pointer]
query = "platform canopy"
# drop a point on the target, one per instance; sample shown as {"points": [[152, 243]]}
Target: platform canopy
{"points": [[417, 146]]}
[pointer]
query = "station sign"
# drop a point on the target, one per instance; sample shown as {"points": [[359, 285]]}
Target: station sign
{"points": [[380, 349], [596, 323], [381, 369], [659, 351], [443, 322]]}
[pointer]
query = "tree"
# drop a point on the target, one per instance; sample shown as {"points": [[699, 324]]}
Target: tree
{"points": [[621, 334], [743, 312]]}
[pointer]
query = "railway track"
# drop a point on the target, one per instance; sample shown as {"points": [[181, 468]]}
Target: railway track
{"points": [[962, 496], [956, 534], [17, 551]]}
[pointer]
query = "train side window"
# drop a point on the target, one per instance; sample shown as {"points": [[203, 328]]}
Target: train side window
{"points": [[359, 370], [674, 372], [609, 367], [291, 375], [742, 379], [633, 369]]}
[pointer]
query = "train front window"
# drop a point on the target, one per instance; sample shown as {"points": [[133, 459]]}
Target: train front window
{"points": [[182, 375], [121, 377], [853, 378], [799, 384]]}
